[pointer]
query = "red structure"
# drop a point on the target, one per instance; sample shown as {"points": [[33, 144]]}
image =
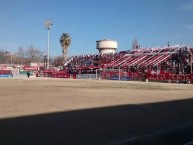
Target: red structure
{"points": [[30, 68], [56, 74], [5, 73], [171, 64]]}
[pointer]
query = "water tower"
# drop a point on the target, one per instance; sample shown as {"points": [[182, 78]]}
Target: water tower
{"points": [[106, 46]]}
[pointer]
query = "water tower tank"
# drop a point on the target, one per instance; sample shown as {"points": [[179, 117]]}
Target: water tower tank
{"points": [[106, 46]]}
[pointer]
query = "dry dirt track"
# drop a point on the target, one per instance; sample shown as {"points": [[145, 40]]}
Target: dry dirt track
{"points": [[90, 112]]}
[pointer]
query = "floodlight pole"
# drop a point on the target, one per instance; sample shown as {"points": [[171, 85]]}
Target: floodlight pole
{"points": [[48, 24], [191, 62]]}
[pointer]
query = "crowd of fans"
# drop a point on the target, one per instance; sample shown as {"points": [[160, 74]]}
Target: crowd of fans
{"points": [[90, 63], [172, 59]]}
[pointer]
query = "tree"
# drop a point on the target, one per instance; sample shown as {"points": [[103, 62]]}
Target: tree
{"points": [[57, 61], [21, 57], [3, 58], [34, 54], [65, 41], [25, 56]]}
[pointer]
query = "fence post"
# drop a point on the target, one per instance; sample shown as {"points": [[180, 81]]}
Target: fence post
{"points": [[169, 78], [96, 74], [119, 74]]}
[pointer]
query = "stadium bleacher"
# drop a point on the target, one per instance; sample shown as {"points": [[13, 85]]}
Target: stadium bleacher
{"points": [[153, 63]]}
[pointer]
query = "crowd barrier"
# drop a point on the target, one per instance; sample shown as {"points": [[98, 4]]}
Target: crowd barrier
{"points": [[161, 77], [56, 74], [86, 76], [6, 73]]}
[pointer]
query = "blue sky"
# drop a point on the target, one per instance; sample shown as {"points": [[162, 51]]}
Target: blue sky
{"points": [[152, 22]]}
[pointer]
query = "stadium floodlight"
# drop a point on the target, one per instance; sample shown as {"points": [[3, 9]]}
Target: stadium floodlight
{"points": [[48, 24]]}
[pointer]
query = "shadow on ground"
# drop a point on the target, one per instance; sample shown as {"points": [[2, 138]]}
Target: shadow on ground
{"points": [[102, 126]]}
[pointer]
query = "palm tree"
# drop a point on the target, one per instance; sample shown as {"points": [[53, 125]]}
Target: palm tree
{"points": [[65, 41]]}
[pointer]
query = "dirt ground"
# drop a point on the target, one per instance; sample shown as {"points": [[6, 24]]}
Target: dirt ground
{"points": [[44, 111]]}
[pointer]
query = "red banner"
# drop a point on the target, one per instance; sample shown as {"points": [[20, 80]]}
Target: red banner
{"points": [[30, 68]]}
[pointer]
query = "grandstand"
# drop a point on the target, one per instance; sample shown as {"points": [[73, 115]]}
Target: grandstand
{"points": [[171, 63]]}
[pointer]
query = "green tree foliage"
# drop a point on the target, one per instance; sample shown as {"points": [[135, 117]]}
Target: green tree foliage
{"points": [[65, 41]]}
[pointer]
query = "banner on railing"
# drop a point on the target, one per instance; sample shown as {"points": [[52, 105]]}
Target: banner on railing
{"points": [[86, 76], [30, 68]]}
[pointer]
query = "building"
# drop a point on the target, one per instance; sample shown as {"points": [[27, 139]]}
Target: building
{"points": [[106, 46]]}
